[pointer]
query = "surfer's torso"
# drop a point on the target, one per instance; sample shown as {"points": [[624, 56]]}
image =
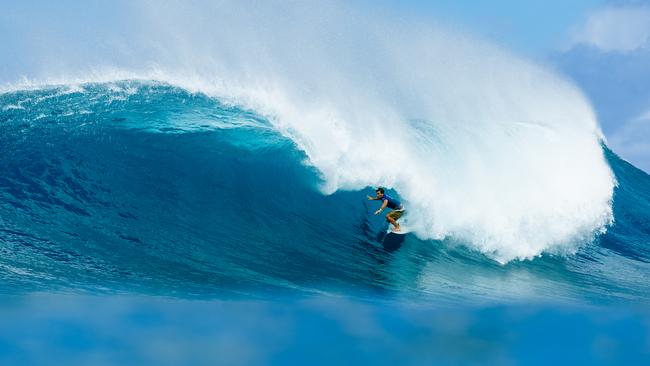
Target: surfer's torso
{"points": [[393, 204]]}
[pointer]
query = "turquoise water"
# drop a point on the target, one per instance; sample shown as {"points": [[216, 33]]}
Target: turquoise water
{"points": [[134, 189]]}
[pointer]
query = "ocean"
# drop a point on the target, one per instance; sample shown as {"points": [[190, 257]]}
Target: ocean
{"points": [[185, 182], [142, 209]]}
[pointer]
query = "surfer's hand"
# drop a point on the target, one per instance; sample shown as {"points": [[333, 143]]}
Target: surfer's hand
{"points": [[377, 212], [370, 198]]}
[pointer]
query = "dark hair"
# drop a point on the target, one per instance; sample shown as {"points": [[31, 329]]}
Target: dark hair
{"points": [[380, 189]]}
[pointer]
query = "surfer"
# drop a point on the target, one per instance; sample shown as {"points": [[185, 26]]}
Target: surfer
{"points": [[397, 210]]}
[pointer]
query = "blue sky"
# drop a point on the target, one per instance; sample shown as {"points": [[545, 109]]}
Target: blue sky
{"points": [[603, 45]]}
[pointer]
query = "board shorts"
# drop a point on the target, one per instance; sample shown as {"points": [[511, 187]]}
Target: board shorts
{"points": [[396, 214]]}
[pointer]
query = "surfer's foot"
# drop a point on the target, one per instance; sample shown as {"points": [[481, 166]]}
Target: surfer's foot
{"points": [[396, 228]]}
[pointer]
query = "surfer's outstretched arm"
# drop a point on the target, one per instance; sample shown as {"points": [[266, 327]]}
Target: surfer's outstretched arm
{"points": [[383, 206], [370, 198]]}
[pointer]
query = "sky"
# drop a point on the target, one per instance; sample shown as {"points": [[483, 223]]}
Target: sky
{"points": [[602, 45], [531, 27]]}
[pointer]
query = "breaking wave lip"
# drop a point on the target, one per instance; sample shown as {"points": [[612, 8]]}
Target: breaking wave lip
{"points": [[483, 146]]}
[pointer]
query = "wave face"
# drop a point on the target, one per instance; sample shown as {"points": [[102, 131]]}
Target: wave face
{"points": [[148, 187]]}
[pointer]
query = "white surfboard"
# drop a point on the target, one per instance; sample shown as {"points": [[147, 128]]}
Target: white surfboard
{"points": [[403, 230]]}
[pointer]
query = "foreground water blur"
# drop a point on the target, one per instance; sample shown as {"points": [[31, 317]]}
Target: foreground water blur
{"points": [[66, 329]]}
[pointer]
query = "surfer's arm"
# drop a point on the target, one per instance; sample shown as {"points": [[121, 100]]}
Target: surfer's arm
{"points": [[383, 206], [372, 198]]}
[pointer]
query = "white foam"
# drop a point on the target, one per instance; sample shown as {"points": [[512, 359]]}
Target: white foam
{"points": [[483, 146], [9, 107]]}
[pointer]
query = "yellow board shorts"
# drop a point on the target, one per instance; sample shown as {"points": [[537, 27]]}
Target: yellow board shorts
{"points": [[396, 214]]}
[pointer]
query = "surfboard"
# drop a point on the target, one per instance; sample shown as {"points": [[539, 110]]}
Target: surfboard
{"points": [[403, 230]]}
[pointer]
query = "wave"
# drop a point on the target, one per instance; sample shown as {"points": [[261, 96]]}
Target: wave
{"points": [[483, 146], [132, 186], [222, 149]]}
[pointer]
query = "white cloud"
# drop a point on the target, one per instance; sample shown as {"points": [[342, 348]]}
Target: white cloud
{"points": [[620, 29]]}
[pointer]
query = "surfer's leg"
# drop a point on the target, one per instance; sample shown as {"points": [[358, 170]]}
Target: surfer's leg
{"points": [[390, 218]]}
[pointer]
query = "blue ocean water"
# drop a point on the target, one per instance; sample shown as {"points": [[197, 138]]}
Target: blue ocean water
{"points": [[139, 188]]}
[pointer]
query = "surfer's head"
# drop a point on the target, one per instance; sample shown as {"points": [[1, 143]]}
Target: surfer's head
{"points": [[380, 192]]}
